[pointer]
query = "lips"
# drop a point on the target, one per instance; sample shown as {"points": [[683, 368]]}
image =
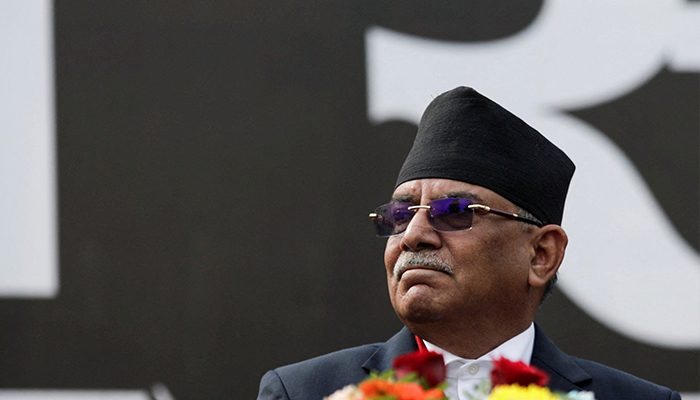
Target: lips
{"points": [[416, 268]]}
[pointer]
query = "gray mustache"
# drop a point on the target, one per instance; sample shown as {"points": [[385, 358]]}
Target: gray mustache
{"points": [[424, 259]]}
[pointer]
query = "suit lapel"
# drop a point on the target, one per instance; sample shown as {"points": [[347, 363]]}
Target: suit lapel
{"points": [[401, 343], [565, 375]]}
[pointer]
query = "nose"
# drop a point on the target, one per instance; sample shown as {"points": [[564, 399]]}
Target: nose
{"points": [[419, 235]]}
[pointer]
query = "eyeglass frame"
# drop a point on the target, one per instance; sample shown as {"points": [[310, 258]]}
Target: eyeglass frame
{"points": [[473, 207]]}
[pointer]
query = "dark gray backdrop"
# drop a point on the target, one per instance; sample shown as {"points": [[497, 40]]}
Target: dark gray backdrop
{"points": [[216, 167]]}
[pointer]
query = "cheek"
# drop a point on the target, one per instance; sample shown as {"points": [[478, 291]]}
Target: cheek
{"points": [[507, 266], [392, 252], [489, 261]]}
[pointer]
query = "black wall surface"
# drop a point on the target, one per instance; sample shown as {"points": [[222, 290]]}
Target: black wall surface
{"points": [[216, 167]]}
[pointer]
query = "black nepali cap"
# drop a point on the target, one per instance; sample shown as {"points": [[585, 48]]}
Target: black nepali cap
{"points": [[467, 137]]}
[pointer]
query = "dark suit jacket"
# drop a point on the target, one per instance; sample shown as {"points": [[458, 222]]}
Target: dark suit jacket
{"points": [[321, 376]]}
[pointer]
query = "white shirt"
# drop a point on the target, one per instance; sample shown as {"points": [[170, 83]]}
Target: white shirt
{"points": [[464, 376]]}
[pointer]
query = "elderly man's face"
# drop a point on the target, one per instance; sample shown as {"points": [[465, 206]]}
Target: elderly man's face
{"points": [[443, 276]]}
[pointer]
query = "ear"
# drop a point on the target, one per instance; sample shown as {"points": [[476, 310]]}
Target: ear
{"points": [[549, 243]]}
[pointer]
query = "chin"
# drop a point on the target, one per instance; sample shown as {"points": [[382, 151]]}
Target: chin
{"points": [[417, 311], [414, 320]]}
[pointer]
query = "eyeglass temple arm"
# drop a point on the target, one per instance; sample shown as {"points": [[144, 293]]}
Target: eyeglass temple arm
{"points": [[506, 214]]}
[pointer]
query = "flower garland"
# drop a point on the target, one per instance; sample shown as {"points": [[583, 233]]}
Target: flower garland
{"points": [[421, 376]]}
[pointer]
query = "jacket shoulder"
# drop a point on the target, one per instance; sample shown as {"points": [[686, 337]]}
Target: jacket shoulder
{"points": [[346, 360], [317, 377], [610, 383], [571, 373], [321, 376]]}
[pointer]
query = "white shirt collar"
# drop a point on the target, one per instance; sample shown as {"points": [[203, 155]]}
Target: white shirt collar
{"points": [[465, 377], [517, 348]]}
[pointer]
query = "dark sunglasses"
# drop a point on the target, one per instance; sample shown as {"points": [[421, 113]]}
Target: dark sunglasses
{"points": [[445, 215]]}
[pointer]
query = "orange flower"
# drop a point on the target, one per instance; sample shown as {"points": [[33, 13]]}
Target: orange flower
{"points": [[376, 387], [381, 388], [434, 394], [409, 391]]}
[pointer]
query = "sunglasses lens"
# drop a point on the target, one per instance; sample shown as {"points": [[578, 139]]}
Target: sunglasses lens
{"points": [[451, 214], [444, 215], [392, 218]]}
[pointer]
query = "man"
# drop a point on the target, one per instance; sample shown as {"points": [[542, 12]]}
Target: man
{"points": [[474, 245]]}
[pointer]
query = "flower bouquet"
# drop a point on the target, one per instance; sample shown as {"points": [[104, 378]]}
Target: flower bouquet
{"points": [[415, 376], [421, 376]]}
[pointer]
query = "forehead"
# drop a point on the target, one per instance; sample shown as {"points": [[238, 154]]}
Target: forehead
{"points": [[424, 190]]}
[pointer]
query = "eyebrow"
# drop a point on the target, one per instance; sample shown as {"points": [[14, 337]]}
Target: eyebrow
{"points": [[407, 198], [463, 195]]}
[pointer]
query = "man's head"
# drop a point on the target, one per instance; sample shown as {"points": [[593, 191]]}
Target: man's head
{"points": [[488, 270]]}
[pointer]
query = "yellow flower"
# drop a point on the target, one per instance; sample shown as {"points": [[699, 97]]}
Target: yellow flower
{"points": [[517, 392]]}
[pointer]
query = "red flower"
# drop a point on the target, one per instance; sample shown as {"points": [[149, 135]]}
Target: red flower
{"points": [[426, 364], [506, 372]]}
